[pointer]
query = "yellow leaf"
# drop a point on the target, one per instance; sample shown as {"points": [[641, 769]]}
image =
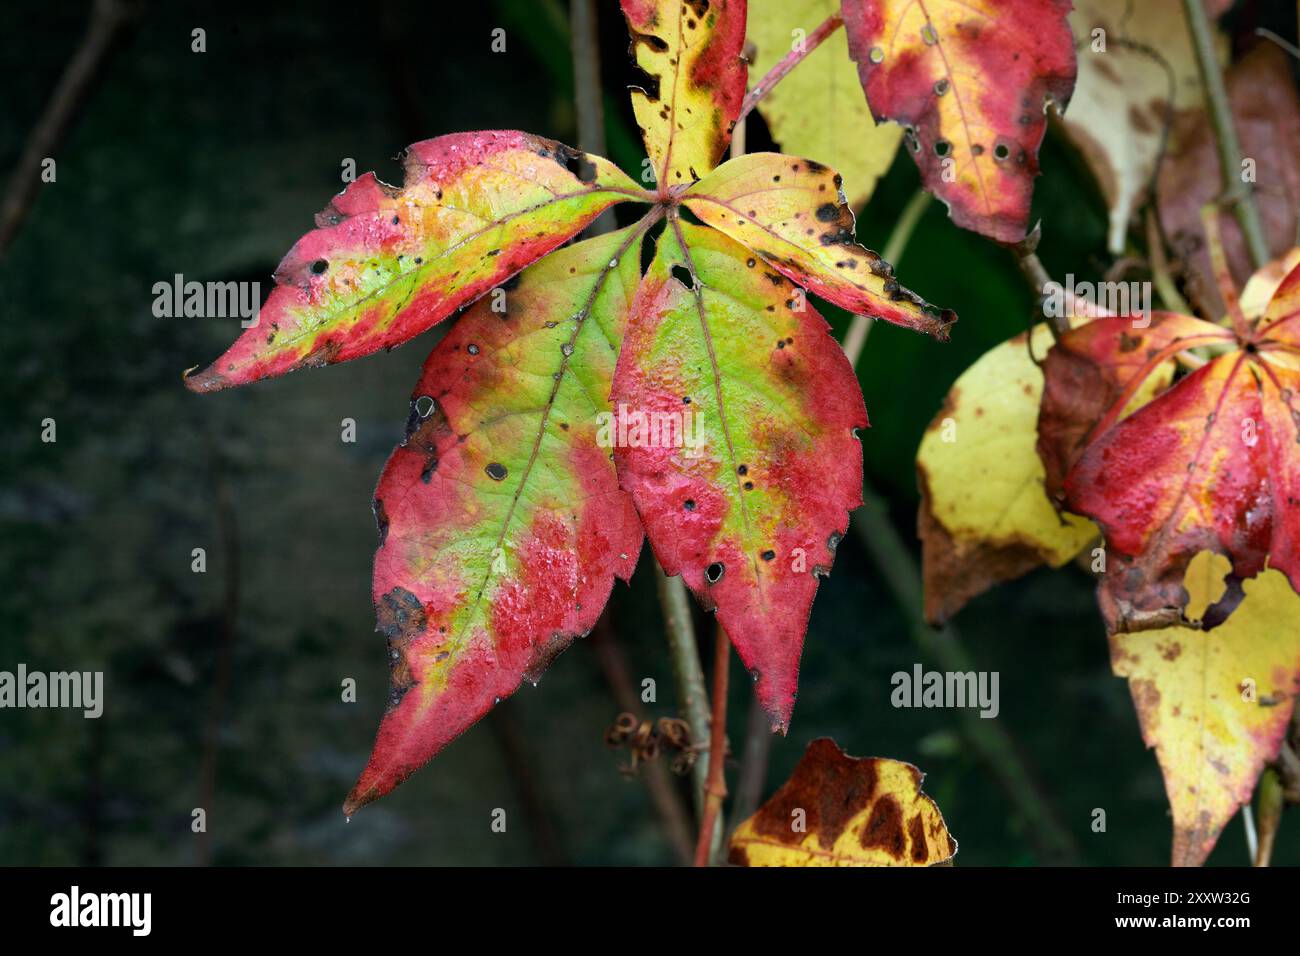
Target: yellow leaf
{"points": [[818, 110], [985, 517], [1214, 704], [837, 810], [1259, 289]]}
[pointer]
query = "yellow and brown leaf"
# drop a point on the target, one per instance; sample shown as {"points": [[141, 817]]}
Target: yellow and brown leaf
{"points": [[837, 810]]}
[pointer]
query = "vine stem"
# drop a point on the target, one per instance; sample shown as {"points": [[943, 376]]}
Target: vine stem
{"points": [[1225, 134], [860, 327], [715, 787], [689, 675], [788, 63]]}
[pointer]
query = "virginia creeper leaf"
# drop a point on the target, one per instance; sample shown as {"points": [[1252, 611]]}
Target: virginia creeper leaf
{"points": [[750, 507], [793, 214], [985, 517], [690, 52], [1265, 110], [970, 81], [386, 263], [1123, 101], [1211, 464], [1091, 368], [818, 108], [837, 810], [501, 523], [1214, 704]]}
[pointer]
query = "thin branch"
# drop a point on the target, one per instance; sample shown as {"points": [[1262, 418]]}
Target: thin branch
{"points": [[588, 92], [1026, 252], [715, 788], [788, 63], [1235, 191], [692, 697], [107, 18], [1159, 262], [860, 327]]}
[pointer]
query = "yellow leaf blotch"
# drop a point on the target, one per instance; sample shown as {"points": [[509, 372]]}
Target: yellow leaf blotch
{"points": [[985, 517], [837, 810], [1214, 704], [818, 110]]}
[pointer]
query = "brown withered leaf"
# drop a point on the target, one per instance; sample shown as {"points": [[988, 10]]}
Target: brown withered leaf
{"points": [[1266, 111], [837, 810]]}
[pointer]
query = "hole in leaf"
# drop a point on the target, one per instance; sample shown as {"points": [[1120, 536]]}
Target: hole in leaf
{"points": [[683, 275], [713, 573], [496, 471]]}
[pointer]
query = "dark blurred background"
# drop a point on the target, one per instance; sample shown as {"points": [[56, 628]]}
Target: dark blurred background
{"points": [[223, 688]]}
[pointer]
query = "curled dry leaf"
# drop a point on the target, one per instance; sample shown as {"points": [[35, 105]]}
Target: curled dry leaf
{"points": [[750, 498], [501, 523], [1266, 113], [1210, 464], [1133, 77], [793, 213], [386, 263], [818, 109], [1215, 704], [690, 53], [837, 810], [985, 517], [970, 81]]}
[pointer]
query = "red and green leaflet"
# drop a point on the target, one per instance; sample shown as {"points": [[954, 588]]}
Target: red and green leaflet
{"points": [[1211, 464], [535, 459], [385, 264], [970, 81], [501, 523], [750, 511]]}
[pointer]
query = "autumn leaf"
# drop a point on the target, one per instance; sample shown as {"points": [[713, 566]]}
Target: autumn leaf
{"points": [[793, 214], [1093, 366], [502, 526], [837, 810], [1210, 464], [1134, 75], [384, 263], [970, 81], [1266, 114], [690, 53], [818, 109], [985, 517], [749, 498], [1215, 704]]}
